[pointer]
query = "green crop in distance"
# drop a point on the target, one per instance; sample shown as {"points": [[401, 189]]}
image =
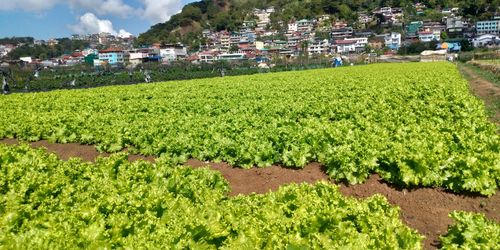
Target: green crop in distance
{"points": [[414, 124], [46, 203]]}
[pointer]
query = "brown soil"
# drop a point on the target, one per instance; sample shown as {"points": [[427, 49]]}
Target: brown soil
{"points": [[74, 150], [263, 180], [485, 90], [424, 209]]}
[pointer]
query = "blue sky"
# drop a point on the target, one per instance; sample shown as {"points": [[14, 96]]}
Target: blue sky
{"points": [[44, 19]]}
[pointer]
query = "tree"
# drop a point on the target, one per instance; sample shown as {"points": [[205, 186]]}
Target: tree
{"points": [[192, 12], [444, 35], [234, 48]]}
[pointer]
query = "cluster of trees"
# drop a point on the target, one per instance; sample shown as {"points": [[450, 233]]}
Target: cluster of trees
{"points": [[16, 40], [418, 47], [65, 46], [186, 26]]}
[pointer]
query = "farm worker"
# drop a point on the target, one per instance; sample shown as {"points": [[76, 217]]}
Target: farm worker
{"points": [[147, 77], [5, 86]]}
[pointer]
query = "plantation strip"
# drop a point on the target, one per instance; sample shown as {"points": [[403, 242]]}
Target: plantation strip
{"points": [[53, 204], [413, 124], [424, 209]]}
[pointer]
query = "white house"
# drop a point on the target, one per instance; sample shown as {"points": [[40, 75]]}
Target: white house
{"points": [[427, 36], [360, 43], [392, 40], [207, 57], [484, 40], [292, 27], [345, 46], [137, 57], [319, 47], [173, 52], [26, 59]]}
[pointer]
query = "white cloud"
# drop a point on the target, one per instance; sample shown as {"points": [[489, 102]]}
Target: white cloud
{"points": [[28, 5], [91, 24], [105, 7], [124, 34], [158, 11], [153, 10]]}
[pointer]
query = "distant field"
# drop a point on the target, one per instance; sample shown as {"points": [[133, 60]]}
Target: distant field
{"points": [[414, 124]]}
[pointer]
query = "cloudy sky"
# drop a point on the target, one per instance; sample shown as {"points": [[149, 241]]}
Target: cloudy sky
{"points": [[44, 19]]}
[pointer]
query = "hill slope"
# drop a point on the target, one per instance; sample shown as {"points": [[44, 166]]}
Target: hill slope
{"points": [[229, 14]]}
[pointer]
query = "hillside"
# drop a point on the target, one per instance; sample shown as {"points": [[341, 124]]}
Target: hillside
{"points": [[230, 14], [186, 26]]}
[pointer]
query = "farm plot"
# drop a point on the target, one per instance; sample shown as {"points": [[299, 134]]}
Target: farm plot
{"points": [[414, 124], [46, 203]]}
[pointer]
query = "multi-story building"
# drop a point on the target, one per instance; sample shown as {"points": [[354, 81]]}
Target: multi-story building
{"points": [[173, 52], [455, 25], [486, 40], [292, 27], [111, 56], [225, 40], [345, 46], [413, 28], [488, 27], [360, 43], [304, 25], [319, 47], [427, 36], [392, 40], [341, 33]]}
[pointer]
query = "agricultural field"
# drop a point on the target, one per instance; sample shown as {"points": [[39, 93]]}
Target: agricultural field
{"points": [[117, 204], [413, 124]]}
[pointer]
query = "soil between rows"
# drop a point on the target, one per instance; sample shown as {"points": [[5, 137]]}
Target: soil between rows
{"points": [[424, 209]]}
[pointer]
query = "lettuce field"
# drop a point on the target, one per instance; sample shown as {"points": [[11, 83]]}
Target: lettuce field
{"points": [[50, 204], [413, 124]]}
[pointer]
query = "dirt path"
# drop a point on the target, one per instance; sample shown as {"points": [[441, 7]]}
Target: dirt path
{"points": [[424, 209], [485, 90]]}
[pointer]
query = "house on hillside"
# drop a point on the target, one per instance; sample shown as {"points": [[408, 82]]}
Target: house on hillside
{"points": [[111, 56], [319, 47], [345, 46], [456, 25], [427, 36], [360, 43], [292, 27], [173, 52], [486, 40], [413, 28], [339, 33], [392, 40], [488, 27], [207, 57], [304, 25]]}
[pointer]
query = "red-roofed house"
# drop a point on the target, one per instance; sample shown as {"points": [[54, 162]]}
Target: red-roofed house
{"points": [[111, 56]]}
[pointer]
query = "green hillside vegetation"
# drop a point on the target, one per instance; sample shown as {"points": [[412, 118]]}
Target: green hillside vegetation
{"points": [[186, 26]]}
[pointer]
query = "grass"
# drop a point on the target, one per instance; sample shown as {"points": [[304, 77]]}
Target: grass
{"points": [[487, 75]]}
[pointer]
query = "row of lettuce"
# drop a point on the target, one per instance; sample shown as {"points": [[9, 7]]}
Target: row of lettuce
{"points": [[46, 203], [414, 124]]}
